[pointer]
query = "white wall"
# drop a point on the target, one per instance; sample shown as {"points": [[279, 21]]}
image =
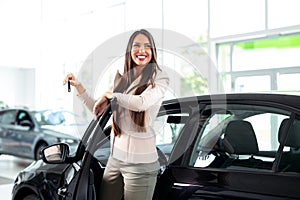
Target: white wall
{"points": [[17, 86]]}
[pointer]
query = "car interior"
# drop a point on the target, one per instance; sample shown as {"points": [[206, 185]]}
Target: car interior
{"points": [[290, 161], [23, 119], [240, 139], [234, 140]]}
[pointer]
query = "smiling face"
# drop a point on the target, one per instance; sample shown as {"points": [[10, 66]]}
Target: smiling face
{"points": [[141, 52]]}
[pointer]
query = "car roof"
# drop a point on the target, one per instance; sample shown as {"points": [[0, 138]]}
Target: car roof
{"points": [[275, 98], [16, 109]]}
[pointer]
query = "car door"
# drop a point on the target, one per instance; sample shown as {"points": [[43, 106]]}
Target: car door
{"points": [[85, 183], [224, 162], [24, 134], [7, 137]]}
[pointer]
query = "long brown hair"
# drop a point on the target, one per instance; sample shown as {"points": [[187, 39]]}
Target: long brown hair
{"points": [[147, 78]]}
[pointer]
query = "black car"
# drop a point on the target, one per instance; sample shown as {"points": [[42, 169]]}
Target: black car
{"points": [[24, 132], [234, 146]]}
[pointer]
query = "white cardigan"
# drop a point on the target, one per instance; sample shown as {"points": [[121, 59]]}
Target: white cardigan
{"points": [[133, 146]]}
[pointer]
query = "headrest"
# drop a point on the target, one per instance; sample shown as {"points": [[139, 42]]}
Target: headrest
{"points": [[293, 137], [239, 138]]}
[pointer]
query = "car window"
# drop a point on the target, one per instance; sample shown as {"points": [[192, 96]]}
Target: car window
{"points": [[55, 118], [289, 136], [22, 116], [47, 117], [7, 117], [40, 117], [244, 137], [266, 128], [167, 129]]}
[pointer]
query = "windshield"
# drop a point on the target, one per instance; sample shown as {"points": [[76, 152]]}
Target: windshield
{"points": [[53, 118], [48, 118]]}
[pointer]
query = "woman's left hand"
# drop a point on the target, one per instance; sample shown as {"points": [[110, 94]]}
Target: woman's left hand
{"points": [[101, 104]]}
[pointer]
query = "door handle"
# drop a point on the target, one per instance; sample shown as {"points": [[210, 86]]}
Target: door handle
{"points": [[11, 133]]}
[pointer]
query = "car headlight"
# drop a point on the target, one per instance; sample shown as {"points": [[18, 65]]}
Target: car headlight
{"points": [[66, 140]]}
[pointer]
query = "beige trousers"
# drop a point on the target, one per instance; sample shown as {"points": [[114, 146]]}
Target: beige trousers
{"points": [[134, 181]]}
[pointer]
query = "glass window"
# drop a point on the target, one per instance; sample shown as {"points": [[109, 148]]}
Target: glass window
{"points": [[239, 137], [272, 62], [179, 15], [8, 117], [22, 115], [168, 129], [268, 53], [138, 16], [224, 57], [249, 84], [290, 159], [227, 80], [235, 17], [266, 128], [286, 83], [283, 13], [185, 78]]}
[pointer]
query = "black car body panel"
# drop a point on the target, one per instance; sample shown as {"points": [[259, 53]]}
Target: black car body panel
{"points": [[222, 184], [34, 174], [211, 155]]}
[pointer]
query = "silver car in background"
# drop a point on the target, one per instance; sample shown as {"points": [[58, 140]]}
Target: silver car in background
{"points": [[24, 133]]}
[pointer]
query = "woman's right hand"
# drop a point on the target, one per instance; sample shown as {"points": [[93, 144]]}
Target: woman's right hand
{"points": [[74, 82], [70, 77]]}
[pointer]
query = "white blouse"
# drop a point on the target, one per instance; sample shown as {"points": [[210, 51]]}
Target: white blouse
{"points": [[133, 146]]}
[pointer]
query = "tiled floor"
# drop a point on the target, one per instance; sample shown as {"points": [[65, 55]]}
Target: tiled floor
{"points": [[9, 168], [5, 191]]}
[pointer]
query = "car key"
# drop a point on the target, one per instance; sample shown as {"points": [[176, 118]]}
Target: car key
{"points": [[69, 86]]}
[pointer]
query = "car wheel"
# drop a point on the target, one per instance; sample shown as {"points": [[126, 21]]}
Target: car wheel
{"points": [[38, 150], [31, 197]]}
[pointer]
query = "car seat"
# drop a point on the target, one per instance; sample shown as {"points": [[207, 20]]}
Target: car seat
{"points": [[290, 161], [240, 139]]}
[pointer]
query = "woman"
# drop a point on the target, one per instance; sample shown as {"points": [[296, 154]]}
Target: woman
{"points": [[133, 164]]}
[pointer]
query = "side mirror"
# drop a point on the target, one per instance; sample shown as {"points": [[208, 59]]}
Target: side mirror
{"points": [[55, 154]]}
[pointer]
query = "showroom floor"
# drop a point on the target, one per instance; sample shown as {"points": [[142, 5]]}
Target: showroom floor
{"points": [[9, 168]]}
